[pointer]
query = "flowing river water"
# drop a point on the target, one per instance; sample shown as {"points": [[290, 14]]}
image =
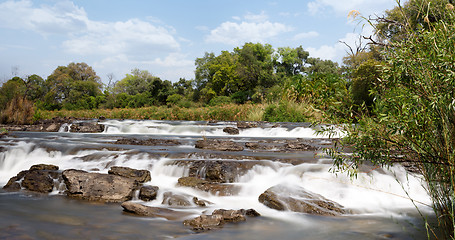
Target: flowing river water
{"points": [[378, 199]]}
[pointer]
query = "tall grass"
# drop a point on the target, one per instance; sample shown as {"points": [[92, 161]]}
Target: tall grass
{"points": [[18, 110]]}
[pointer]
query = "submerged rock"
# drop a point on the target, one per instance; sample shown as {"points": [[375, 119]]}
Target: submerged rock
{"points": [[204, 185], [148, 142], [98, 187], [174, 199], [297, 199], [219, 145], [147, 211], [231, 130], [148, 193], [87, 127], [138, 175]]}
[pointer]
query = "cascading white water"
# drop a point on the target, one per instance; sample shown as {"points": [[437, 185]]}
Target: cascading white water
{"points": [[379, 192]]}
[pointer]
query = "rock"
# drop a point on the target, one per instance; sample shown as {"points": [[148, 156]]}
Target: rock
{"points": [[39, 178], [200, 202], [147, 211], [138, 175], [148, 142], [257, 146], [218, 218], [230, 215], [102, 118], [297, 199], [243, 125], [98, 187], [44, 167], [87, 127], [13, 184], [38, 181], [219, 145], [148, 193], [298, 146], [231, 130], [53, 127], [204, 185], [204, 222], [173, 199], [220, 171]]}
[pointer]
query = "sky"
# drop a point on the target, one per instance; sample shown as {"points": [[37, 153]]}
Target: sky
{"points": [[165, 37]]}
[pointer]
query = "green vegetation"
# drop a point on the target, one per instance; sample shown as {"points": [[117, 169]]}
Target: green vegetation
{"points": [[396, 96], [412, 115]]}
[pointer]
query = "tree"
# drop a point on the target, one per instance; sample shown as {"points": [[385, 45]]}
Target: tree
{"points": [[414, 119], [72, 86], [10, 89], [291, 60]]}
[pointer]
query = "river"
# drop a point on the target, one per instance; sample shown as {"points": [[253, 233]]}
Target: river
{"points": [[378, 199]]}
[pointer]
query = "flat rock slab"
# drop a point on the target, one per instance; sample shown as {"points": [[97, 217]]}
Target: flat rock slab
{"points": [[98, 187], [219, 145], [147, 211], [138, 175]]}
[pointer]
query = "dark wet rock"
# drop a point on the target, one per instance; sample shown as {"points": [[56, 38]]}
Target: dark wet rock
{"points": [[219, 145], [87, 127], [297, 199], [148, 142], [44, 167], [204, 222], [147, 211], [204, 185], [138, 175], [221, 171], [298, 146], [259, 146], [148, 193], [39, 178], [231, 130], [3, 134], [98, 187], [243, 125], [102, 118], [13, 183], [38, 181], [201, 202], [174, 199]]}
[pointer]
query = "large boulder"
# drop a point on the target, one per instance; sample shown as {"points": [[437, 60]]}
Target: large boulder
{"points": [[138, 175], [39, 178], [87, 127], [148, 193], [147, 211], [296, 199], [98, 187], [218, 145], [243, 125]]}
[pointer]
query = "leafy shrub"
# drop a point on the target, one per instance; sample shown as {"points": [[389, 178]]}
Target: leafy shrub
{"points": [[220, 100], [284, 111], [240, 97]]}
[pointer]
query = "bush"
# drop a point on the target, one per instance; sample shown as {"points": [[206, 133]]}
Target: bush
{"points": [[18, 110], [240, 97], [220, 100], [284, 112]]}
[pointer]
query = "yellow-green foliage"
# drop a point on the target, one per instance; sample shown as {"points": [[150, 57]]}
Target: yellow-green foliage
{"points": [[18, 110]]}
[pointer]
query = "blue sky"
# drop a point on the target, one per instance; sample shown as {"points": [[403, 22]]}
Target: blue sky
{"points": [[166, 36]]}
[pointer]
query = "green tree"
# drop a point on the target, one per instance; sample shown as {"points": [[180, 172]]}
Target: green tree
{"points": [[414, 119], [10, 89], [71, 86]]}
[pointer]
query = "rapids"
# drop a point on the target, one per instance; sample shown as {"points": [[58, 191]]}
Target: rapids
{"points": [[378, 199]]}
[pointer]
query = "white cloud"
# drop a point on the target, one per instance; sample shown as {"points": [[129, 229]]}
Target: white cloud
{"points": [[133, 37], [62, 18], [305, 35], [338, 50], [254, 28], [365, 7]]}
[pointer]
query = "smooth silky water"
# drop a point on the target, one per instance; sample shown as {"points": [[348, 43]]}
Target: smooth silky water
{"points": [[378, 198]]}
